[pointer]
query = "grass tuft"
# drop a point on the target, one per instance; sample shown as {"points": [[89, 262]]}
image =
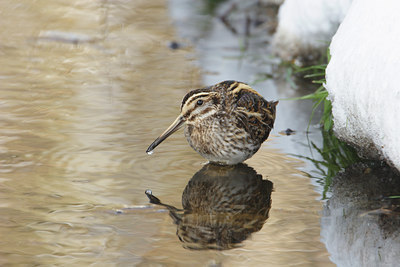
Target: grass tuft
{"points": [[336, 155], [320, 96]]}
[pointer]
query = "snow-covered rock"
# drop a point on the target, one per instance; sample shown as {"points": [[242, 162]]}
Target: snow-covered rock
{"points": [[362, 78], [306, 27]]}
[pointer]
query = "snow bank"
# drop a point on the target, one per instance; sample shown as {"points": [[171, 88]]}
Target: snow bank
{"points": [[362, 78], [306, 27]]}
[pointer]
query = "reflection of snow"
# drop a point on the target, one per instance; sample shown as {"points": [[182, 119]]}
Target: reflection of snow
{"points": [[306, 27], [356, 231], [362, 78]]}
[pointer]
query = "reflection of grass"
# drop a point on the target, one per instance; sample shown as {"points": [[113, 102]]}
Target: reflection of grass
{"points": [[336, 155], [211, 5]]}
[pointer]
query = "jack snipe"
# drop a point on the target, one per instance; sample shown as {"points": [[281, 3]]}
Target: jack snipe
{"points": [[222, 206], [225, 123]]}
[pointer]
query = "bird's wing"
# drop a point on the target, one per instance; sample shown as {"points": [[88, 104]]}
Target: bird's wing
{"points": [[259, 113]]}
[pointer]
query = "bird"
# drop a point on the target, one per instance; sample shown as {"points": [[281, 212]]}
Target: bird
{"points": [[226, 123], [222, 205]]}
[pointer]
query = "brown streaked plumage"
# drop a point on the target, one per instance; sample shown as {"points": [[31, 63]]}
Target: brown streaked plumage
{"points": [[222, 206], [225, 123]]}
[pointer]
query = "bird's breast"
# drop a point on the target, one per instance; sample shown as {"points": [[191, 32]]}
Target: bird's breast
{"points": [[220, 140]]}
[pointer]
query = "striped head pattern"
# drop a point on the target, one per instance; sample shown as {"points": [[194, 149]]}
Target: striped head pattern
{"points": [[228, 97]]}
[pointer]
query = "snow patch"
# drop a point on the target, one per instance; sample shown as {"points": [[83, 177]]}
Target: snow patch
{"points": [[362, 78], [306, 27]]}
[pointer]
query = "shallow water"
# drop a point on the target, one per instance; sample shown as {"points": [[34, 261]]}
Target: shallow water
{"points": [[85, 87]]}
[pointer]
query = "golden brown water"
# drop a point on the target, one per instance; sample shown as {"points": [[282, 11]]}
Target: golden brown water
{"points": [[85, 87]]}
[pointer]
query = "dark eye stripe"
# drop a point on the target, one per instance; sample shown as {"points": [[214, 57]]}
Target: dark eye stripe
{"points": [[203, 91], [192, 117], [195, 97], [205, 111]]}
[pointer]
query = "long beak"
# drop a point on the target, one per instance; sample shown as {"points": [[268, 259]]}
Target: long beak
{"points": [[176, 125]]}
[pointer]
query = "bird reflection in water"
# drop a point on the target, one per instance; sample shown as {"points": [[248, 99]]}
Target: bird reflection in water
{"points": [[222, 206]]}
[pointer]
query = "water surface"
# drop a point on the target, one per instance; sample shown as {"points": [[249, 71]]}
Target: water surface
{"points": [[85, 87]]}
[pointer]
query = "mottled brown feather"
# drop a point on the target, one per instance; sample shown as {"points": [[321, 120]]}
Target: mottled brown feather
{"points": [[225, 123], [259, 114]]}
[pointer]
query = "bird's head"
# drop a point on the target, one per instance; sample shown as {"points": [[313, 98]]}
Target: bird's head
{"points": [[197, 105], [200, 104]]}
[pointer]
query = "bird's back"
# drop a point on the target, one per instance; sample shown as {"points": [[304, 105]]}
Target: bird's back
{"points": [[253, 112]]}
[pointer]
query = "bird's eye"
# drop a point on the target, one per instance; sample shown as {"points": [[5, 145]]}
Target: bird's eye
{"points": [[199, 102]]}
